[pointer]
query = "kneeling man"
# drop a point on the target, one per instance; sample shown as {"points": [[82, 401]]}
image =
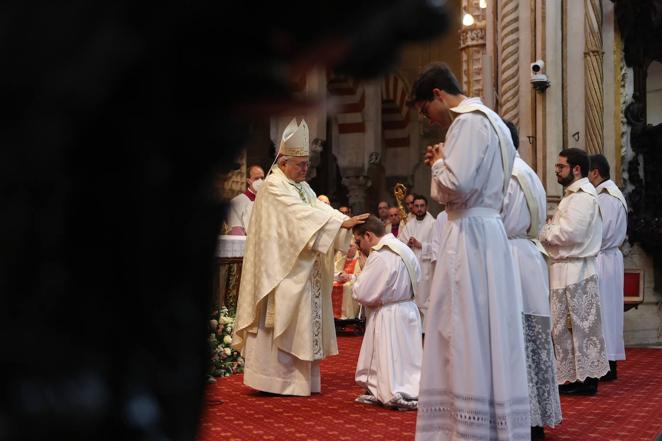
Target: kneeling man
{"points": [[389, 365]]}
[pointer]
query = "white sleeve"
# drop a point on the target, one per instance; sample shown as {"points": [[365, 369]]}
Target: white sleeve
{"points": [[375, 280]]}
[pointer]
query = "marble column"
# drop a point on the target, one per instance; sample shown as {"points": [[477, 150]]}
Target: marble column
{"points": [[358, 188]]}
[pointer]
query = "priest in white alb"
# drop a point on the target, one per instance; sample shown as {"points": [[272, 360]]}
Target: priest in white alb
{"points": [[417, 233], [389, 365], [614, 210], [524, 213], [284, 324], [572, 239], [242, 204], [473, 378]]}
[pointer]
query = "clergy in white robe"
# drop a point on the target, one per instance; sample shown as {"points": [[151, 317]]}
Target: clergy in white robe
{"points": [[473, 379], [614, 210], [347, 269], [242, 204], [389, 365], [524, 214], [572, 239], [417, 234], [284, 324]]}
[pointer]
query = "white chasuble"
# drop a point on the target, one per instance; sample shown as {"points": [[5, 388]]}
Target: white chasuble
{"points": [[389, 364], [284, 322], [473, 379], [524, 214], [573, 240], [423, 231], [610, 266]]}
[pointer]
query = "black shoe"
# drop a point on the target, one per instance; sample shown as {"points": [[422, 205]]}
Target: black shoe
{"points": [[611, 375], [588, 387], [537, 432]]}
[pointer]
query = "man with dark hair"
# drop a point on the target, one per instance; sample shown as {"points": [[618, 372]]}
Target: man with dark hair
{"points": [[409, 206], [572, 239], [389, 365], [418, 233], [474, 361], [242, 204], [524, 213], [614, 210], [382, 211]]}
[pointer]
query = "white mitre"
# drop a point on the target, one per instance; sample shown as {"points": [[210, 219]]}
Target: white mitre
{"points": [[295, 140]]}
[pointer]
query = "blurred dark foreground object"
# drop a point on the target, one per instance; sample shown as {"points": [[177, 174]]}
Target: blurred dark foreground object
{"points": [[116, 116]]}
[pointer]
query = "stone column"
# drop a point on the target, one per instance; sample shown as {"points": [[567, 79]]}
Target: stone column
{"points": [[473, 51], [593, 76], [357, 186], [509, 59]]}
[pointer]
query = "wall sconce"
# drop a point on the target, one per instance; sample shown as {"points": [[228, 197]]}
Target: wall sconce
{"points": [[467, 19], [482, 4]]}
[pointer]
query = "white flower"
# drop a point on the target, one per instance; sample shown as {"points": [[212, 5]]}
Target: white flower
{"points": [[227, 351], [225, 320], [227, 339]]}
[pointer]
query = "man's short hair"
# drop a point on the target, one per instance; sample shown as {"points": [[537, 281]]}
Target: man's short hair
{"points": [[250, 169], [599, 162], [420, 197], [383, 202], [513, 132], [576, 157], [372, 224], [436, 76]]}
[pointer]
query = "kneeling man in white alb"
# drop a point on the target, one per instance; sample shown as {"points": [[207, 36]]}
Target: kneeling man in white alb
{"points": [[389, 366]]}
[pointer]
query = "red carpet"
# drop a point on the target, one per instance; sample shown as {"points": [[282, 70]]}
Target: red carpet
{"points": [[627, 409]]}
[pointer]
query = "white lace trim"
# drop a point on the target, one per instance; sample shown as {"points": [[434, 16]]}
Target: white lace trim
{"points": [[541, 371], [577, 332], [473, 418]]}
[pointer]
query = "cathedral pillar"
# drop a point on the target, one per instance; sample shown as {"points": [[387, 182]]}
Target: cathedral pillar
{"points": [[357, 187], [473, 50], [593, 76]]}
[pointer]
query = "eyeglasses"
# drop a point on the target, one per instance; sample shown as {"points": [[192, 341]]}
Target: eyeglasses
{"points": [[424, 110], [560, 166]]}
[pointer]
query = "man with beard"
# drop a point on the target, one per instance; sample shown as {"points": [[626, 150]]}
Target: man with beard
{"points": [[573, 238], [418, 233]]}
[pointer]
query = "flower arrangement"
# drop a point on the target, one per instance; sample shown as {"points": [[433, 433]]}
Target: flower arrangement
{"points": [[224, 360]]}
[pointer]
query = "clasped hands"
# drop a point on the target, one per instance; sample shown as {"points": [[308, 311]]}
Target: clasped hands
{"points": [[433, 153], [413, 243]]}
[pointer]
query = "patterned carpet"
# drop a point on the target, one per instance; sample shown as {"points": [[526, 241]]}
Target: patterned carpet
{"points": [[629, 408]]}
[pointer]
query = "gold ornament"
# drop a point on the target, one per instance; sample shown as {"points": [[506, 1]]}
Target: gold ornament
{"points": [[400, 191]]}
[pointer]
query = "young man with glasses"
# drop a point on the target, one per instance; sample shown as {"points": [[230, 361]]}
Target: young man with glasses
{"points": [[473, 379], [389, 365], [572, 239]]}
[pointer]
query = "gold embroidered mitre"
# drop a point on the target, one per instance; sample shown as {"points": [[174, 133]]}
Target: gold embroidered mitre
{"points": [[295, 140]]}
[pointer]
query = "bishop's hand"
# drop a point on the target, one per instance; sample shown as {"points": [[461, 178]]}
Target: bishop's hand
{"points": [[355, 220], [433, 154]]}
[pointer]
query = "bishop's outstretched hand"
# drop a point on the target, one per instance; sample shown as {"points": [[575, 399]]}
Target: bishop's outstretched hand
{"points": [[355, 220]]}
